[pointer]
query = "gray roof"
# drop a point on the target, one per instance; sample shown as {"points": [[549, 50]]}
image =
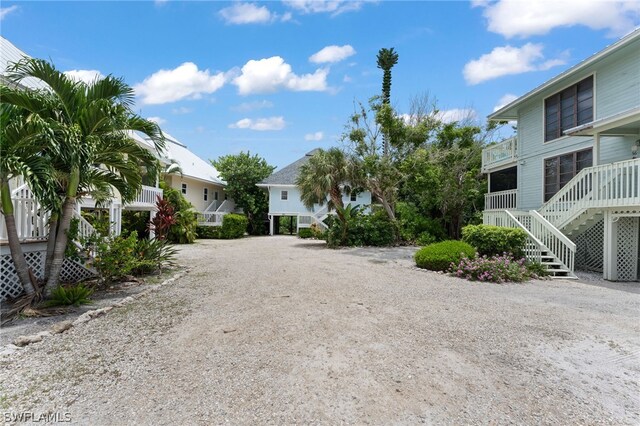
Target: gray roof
{"points": [[9, 54], [288, 175]]}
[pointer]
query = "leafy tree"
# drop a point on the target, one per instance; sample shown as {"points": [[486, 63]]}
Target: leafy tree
{"points": [[326, 174], [183, 217], [386, 60], [94, 152], [243, 172]]}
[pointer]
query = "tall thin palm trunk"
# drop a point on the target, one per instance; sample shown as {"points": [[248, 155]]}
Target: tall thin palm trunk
{"points": [[19, 261], [51, 243]]}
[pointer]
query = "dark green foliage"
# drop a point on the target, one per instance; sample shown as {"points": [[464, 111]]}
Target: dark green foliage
{"points": [[242, 172], [71, 295], [387, 58], [234, 226], [305, 233], [440, 256], [208, 232], [418, 228], [184, 229], [495, 240], [538, 270], [362, 230], [99, 219], [72, 251], [152, 255], [136, 221]]}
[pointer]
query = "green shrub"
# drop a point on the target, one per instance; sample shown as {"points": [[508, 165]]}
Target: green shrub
{"points": [[416, 227], [152, 255], [537, 269], [208, 232], [495, 240], [497, 269], [318, 232], [136, 221], [305, 233], [362, 230], [116, 256], [71, 295], [440, 256], [234, 226]]}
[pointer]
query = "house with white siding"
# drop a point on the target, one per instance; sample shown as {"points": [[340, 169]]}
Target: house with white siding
{"points": [[570, 177], [285, 201]]}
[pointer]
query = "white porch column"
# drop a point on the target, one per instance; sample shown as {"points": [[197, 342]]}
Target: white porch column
{"points": [[152, 233], [610, 247], [596, 149], [270, 224]]}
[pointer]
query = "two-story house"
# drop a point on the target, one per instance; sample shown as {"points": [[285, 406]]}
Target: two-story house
{"points": [[571, 176], [285, 202]]}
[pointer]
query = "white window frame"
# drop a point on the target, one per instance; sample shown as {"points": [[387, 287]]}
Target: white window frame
{"points": [[284, 195], [183, 188]]}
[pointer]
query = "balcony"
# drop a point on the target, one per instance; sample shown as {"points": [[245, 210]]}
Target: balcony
{"points": [[502, 200], [500, 154], [146, 199]]}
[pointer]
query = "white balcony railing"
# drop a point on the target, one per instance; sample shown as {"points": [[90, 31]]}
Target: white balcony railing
{"points": [[210, 218], [502, 200], [500, 154], [147, 197]]}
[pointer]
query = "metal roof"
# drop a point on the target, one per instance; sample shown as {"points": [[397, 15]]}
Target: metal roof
{"points": [[10, 54]]}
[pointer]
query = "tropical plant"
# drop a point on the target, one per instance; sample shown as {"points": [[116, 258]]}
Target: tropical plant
{"points": [[152, 255], [497, 269], [23, 138], [326, 175], [242, 172], [183, 231], [95, 152], [164, 218], [70, 295]]}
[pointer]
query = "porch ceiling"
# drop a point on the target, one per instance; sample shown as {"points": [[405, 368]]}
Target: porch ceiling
{"points": [[624, 123]]}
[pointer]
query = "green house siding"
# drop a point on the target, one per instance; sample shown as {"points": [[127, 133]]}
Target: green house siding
{"points": [[617, 89]]}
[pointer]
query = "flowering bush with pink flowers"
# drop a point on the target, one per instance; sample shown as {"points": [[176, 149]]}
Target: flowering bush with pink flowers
{"points": [[497, 269]]}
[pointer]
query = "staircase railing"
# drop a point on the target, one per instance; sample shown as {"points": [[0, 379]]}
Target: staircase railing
{"points": [[211, 218], [226, 206], [212, 207], [501, 200], [606, 185], [557, 243]]}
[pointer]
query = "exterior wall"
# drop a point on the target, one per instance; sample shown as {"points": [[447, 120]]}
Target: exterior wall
{"points": [[616, 89], [293, 205], [195, 190]]}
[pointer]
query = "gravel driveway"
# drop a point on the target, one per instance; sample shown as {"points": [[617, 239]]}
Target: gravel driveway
{"points": [[280, 330]]}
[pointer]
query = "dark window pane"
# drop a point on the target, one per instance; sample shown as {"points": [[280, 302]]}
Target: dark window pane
{"points": [[504, 180]]}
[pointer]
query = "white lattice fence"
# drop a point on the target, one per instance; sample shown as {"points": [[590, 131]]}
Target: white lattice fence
{"points": [[10, 284], [627, 259], [589, 252]]}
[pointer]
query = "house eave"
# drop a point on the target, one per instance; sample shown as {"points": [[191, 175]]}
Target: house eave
{"points": [[510, 111], [624, 123]]}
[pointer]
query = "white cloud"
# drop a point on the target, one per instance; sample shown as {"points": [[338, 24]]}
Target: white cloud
{"points": [[4, 11], [88, 76], [457, 114], [334, 7], [526, 18], [317, 136], [272, 74], [251, 106], [332, 54], [158, 120], [246, 13], [504, 101], [181, 110], [508, 60], [160, 2], [260, 124], [183, 82]]}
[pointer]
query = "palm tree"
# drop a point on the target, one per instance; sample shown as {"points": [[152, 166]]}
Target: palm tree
{"points": [[96, 153], [387, 58], [23, 138], [326, 174]]}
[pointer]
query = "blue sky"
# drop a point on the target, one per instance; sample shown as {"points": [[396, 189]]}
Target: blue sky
{"points": [[280, 78]]}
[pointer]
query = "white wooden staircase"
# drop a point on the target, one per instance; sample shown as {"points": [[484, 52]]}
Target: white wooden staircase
{"points": [[318, 217], [572, 211]]}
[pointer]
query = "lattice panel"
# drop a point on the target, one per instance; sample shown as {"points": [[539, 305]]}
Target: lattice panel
{"points": [[589, 244], [627, 262], [72, 272], [9, 283]]}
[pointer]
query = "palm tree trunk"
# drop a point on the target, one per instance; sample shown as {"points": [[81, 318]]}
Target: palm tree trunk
{"points": [[51, 242], [17, 255], [62, 238]]}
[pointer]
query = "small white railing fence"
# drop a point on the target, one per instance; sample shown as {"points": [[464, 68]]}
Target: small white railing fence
{"points": [[607, 185], [212, 207], [502, 200], [32, 222], [306, 220], [227, 206], [148, 196], [502, 153], [211, 218]]}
